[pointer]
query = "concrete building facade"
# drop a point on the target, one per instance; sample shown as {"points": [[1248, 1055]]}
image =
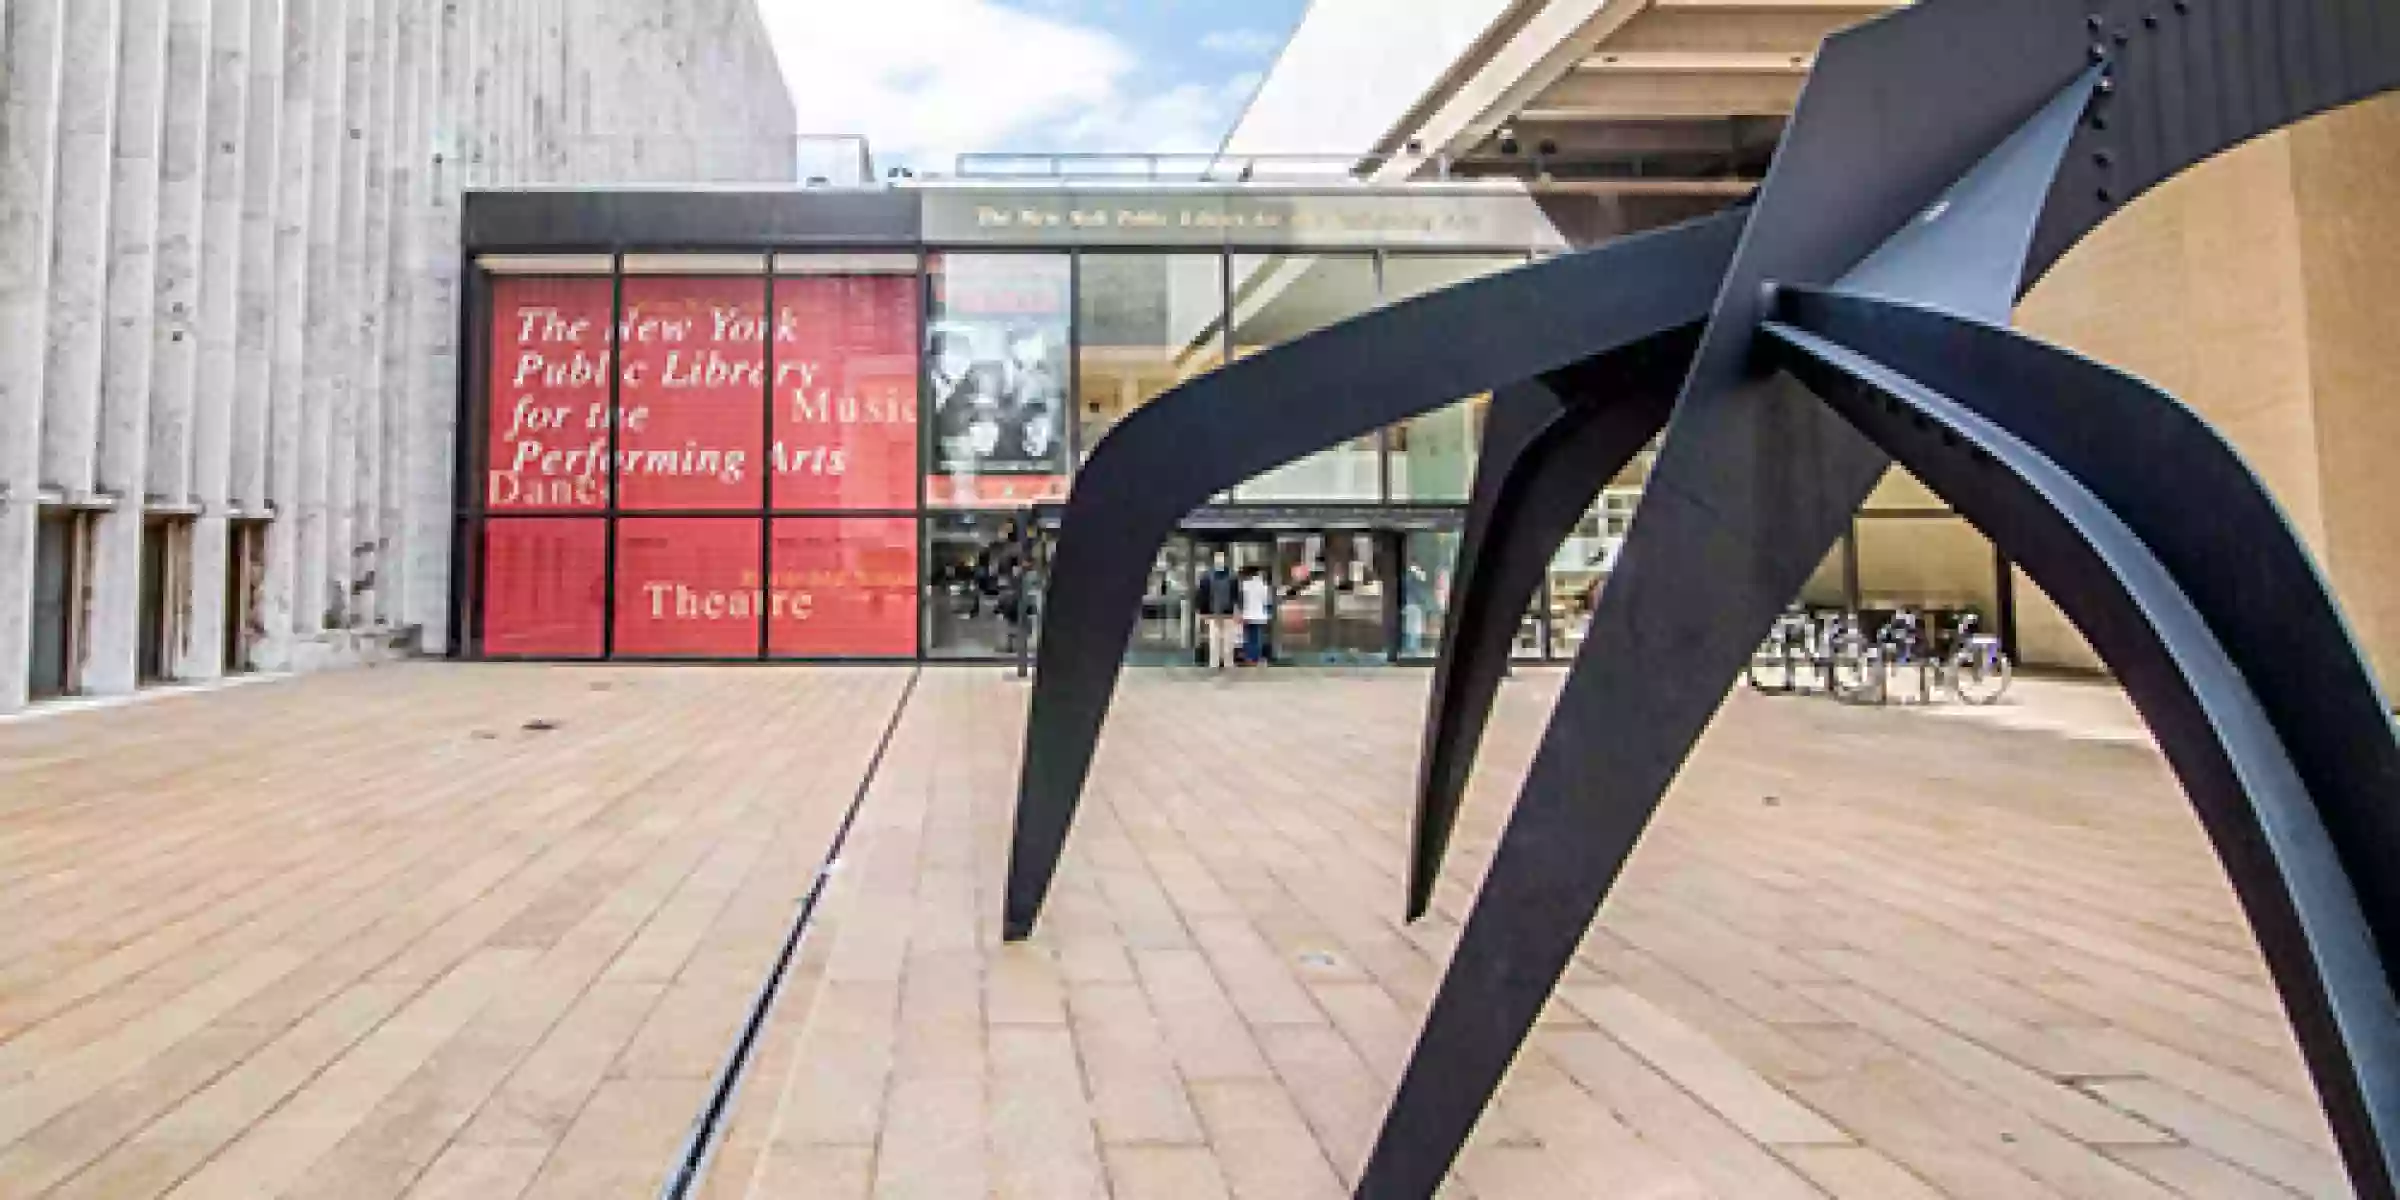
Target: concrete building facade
{"points": [[229, 293]]}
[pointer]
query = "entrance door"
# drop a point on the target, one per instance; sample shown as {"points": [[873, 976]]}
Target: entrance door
{"points": [[58, 567], [1332, 598], [245, 561], [1299, 578], [154, 654], [1357, 597], [1199, 553]]}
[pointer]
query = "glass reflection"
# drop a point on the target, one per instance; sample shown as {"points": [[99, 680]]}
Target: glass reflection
{"points": [[983, 585], [1425, 585], [1278, 297], [694, 392], [543, 586], [1144, 324], [1433, 456], [1582, 565]]}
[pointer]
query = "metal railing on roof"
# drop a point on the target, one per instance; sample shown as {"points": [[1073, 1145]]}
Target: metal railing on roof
{"points": [[1538, 165], [1161, 168]]}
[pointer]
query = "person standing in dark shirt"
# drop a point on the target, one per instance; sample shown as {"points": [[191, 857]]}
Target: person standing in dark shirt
{"points": [[1220, 608]]}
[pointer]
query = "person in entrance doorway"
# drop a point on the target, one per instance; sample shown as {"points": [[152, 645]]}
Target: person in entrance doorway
{"points": [[1220, 609], [1258, 608]]}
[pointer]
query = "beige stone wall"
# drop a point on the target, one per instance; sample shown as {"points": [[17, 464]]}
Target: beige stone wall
{"points": [[2263, 288], [2346, 187]]}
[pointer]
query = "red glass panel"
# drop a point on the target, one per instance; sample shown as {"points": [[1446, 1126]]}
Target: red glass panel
{"points": [[542, 586], [687, 587], [845, 392], [694, 393], [548, 395], [844, 587]]}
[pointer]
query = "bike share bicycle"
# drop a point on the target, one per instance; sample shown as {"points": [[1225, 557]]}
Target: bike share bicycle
{"points": [[1856, 669]]}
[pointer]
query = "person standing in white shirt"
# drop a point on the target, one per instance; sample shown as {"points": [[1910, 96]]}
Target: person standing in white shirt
{"points": [[1258, 608]]}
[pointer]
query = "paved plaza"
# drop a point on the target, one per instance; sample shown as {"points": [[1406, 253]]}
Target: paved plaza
{"points": [[489, 931]]}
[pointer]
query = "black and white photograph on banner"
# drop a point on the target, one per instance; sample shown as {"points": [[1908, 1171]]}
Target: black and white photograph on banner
{"points": [[995, 365]]}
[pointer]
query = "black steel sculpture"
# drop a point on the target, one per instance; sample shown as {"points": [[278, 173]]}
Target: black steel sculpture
{"points": [[1341, 382], [1603, 413], [1940, 159]]}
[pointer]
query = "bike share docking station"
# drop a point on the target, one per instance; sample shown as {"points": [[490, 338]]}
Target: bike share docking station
{"points": [[1851, 666]]}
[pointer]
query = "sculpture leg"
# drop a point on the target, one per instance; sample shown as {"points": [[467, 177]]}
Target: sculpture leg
{"points": [[1614, 408], [1756, 482], [2268, 714], [1693, 589], [1517, 415], [1341, 382]]}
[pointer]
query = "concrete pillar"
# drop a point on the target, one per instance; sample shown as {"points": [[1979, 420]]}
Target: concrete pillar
{"points": [[30, 48], [262, 135], [114, 620], [295, 255], [401, 395], [176, 313], [508, 94], [325, 316], [87, 106], [343, 399], [202, 653], [359, 512], [431, 432], [491, 35], [475, 80]]}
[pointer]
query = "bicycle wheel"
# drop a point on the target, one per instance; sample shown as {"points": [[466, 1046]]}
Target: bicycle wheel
{"points": [[1858, 675], [1771, 669], [1980, 674]]}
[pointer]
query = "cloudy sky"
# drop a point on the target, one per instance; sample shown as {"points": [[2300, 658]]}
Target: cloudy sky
{"points": [[926, 79]]}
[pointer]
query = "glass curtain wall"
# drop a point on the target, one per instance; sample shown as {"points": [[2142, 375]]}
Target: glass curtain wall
{"points": [[1433, 456], [741, 485], [829, 455], [1144, 323], [1278, 297], [1580, 569], [999, 333]]}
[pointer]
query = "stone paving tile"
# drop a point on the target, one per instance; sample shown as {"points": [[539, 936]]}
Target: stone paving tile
{"points": [[368, 936], [1862, 954]]}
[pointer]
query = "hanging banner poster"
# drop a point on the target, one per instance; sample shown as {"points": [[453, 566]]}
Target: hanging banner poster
{"points": [[687, 587], [543, 591], [845, 392], [548, 394], [843, 587], [995, 372], [694, 393]]}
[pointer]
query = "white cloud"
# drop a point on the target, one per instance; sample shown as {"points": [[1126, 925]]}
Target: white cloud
{"points": [[924, 80], [1189, 118], [1246, 43]]}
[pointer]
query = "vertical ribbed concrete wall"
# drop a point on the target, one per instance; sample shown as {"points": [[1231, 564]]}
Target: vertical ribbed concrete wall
{"points": [[229, 284]]}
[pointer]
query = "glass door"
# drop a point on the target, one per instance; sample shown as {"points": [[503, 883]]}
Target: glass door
{"points": [[1298, 574], [1332, 599], [1197, 555], [1167, 630], [1357, 594]]}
